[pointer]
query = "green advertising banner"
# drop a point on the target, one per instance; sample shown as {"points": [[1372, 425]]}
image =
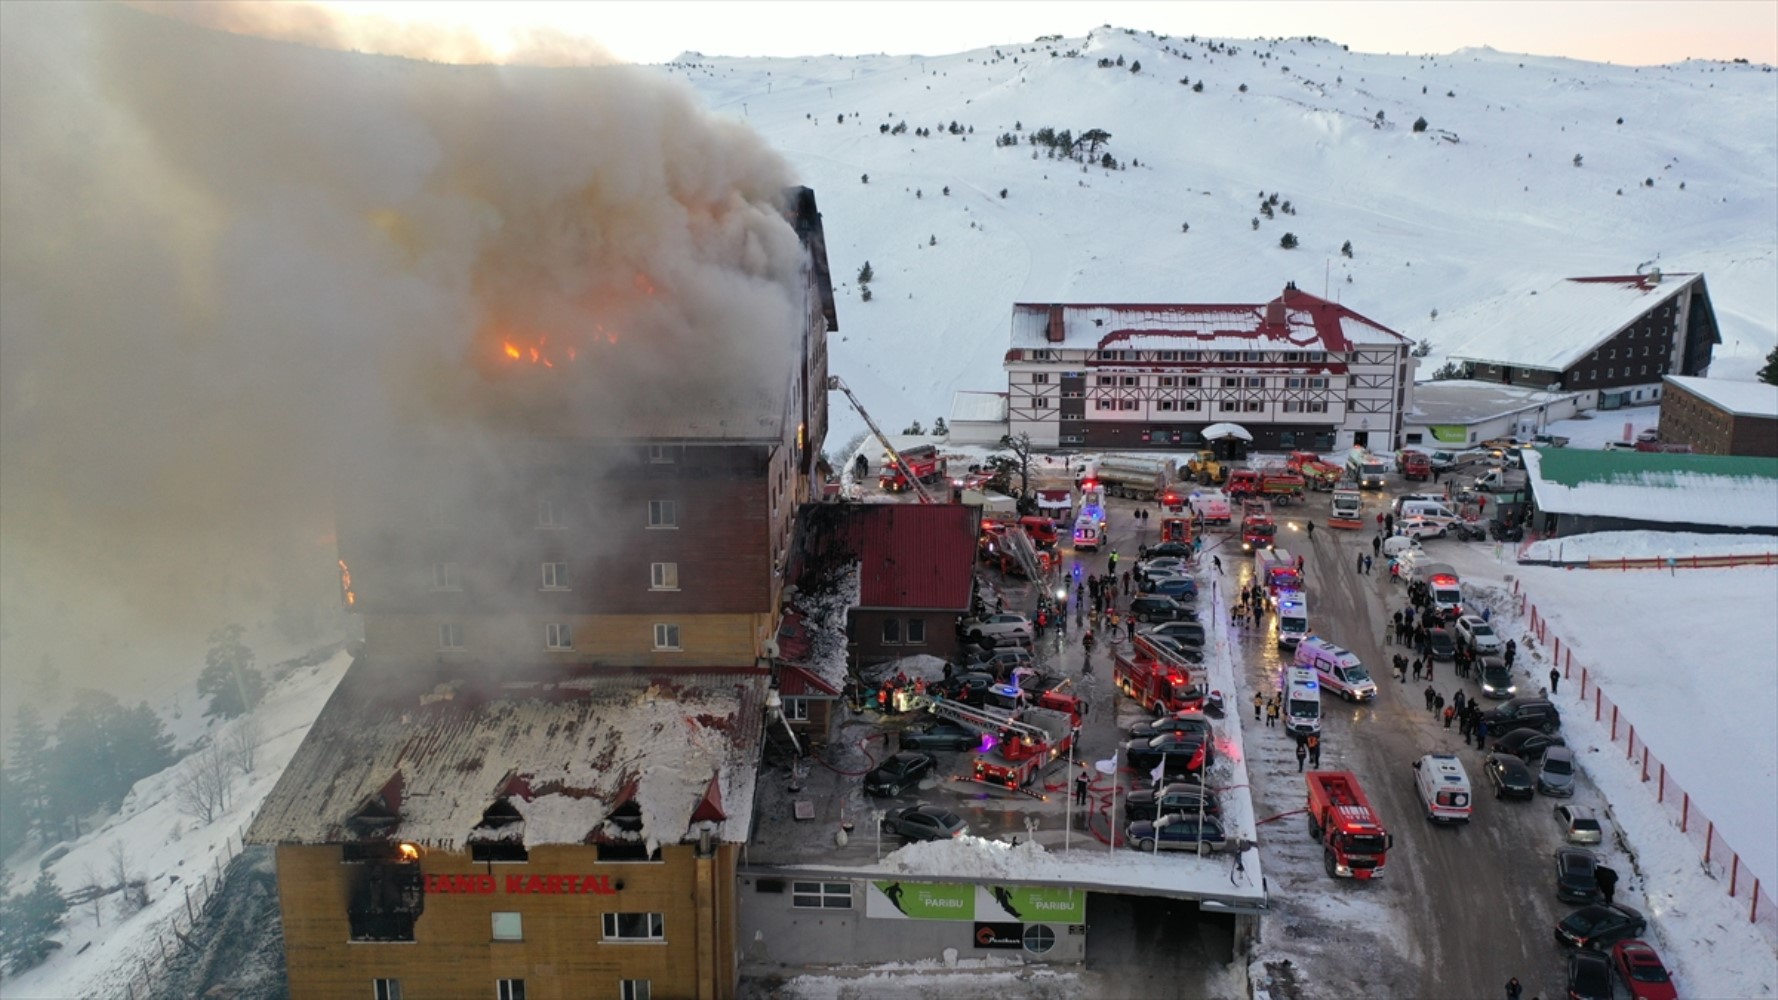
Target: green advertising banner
{"points": [[1030, 905], [919, 901]]}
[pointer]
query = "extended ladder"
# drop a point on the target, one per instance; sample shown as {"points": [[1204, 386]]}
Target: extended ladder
{"points": [[984, 719]]}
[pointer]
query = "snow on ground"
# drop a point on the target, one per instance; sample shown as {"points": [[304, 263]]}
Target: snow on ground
{"points": [[172, 851], [934, 980], [1646, 545], [1687, 655], [1600, 427]]}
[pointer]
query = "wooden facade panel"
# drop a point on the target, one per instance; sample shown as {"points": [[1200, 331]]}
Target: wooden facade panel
{"points": [[615, 640], [561, 956]]}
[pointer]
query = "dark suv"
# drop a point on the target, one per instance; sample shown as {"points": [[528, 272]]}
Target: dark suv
{"points": [[1155, 608], [1523, 713]]}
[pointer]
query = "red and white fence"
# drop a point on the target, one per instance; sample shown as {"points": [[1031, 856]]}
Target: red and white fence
{"points": [[1721, 860]]}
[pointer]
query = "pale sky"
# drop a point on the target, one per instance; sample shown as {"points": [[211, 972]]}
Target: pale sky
{"points": [[1633, 32]]}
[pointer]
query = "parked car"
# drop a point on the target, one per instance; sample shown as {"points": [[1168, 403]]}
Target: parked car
{"points": [[1509, 776], [1188, 653], [1159, 608], [900, 771], [1001, 662], [1536, 713], [1439, 644], [1468, 531], [940, 736], [1182, 798], [1527, 744], [1002, 628], [1189, 632], [1579, 825], [1556, 777], [1478, 636], [924, 823], [1443, 461], [1577, 880], [1169, 550], [1183, 588], [1178, 722], [1176, 833], [1589, 976], [1598, 926], [1194, 750], [1642, 971], [970, 689], [1496, 677], [1165, 564]]}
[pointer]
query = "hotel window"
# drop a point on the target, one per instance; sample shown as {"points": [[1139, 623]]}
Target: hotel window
{"points": [[1317, 407], [1609, 372], [1255, 406], [636, 989], [663, 514], [1230, 383], [557, 636], [1165, 405], [446, 576], [916, 631], [548, 516], [892, 631], [1252, 356], [1644, 370], [1131, 380], [1041, 378], [1071, 394], [1228, 355], [1191, 355], [663, 576], [1191, 404], [1293, 383], [385, 989], [796, 709], [1256, 383], [450, 635], [1169, 355], [821, 895], [666, 637], [1612, 354], [1040, 403], [1290, 407], [509, 927], [662, 453], [1193, 382], [1229, 404], [635, 927], [1044, 355], [1104, 404], [1293, 355], [509, 989], [1287, 439], [1168, 381], [1318, 383], [1126, 404], [555, 576], [1106, 380]]}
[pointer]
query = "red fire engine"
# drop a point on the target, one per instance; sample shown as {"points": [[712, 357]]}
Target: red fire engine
{"points": [[1353, 841], [1161, 687]]}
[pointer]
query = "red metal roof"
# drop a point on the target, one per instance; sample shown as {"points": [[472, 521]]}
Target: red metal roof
{"points": [[795, 682], [909, 555]]}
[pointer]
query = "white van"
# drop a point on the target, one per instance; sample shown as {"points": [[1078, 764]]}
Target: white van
{"points": [[1089, 532], [1293, 617], [1302, 702], [1432, 510], [1408, 498], [1339, 669], [1444, 787]]}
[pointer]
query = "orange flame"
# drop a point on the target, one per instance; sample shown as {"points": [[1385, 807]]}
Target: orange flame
{"points": [[346, 585], [512, 349]]}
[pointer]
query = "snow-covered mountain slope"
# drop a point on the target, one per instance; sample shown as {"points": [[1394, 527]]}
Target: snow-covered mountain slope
{"points": [[1486, 201]]}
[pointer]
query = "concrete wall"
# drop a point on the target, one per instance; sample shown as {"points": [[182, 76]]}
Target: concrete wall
{"points": [[774, 932]]}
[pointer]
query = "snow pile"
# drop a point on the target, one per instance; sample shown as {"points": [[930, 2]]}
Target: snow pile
{"points": [[1645, 545], [936, 980], [825, 616]]}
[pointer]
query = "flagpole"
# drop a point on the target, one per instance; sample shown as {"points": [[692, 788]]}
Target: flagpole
{"points": [[1068, 828], [1111, 841]]}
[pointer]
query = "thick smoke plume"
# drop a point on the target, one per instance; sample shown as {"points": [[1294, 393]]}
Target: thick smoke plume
{"points": [[222, 257]]}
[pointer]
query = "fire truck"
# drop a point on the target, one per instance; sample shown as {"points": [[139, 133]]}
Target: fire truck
{"points": [[1320, 475], [1276, 570], [1353, 841], [1030, 743], [1281, 488], [923, 460], [1258, 530], [1243, 483], [1162, 687], [1414, 464], [1348, 509], [1176, 529]]}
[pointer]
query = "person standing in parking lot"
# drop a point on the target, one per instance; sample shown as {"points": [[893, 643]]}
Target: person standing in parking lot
{"points": [[1430, 695], [1512, 648], [1513, 989], [1302, 754], [1607, 878], [1359, 569], [1259, 705], [1555, 679], [1081, 781]]}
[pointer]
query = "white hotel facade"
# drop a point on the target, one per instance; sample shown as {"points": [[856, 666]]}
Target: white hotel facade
{"points": [[1298, 372]]}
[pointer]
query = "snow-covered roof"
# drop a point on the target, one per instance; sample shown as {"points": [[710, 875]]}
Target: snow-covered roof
{"points": [[565, 753], [981, 407], [1552, 327], [1305, 322], [1463, 401], [1744, 399], [1656, 486]]}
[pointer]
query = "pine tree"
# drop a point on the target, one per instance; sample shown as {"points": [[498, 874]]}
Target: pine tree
{"points": [[1346, 249], [939, 427], [28, 922], [229, 680], [30, 768], [1420, 124], [865, 274], [1769, 374], [1288, 241]]}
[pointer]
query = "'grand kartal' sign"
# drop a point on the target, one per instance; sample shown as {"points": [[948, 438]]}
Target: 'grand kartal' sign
{"points": [[548, 885], [997, 903]]}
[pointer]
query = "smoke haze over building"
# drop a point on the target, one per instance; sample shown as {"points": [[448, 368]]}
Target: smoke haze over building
{"points": [[226, 258]]}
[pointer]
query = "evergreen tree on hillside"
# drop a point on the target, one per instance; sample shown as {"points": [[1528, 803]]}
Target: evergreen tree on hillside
{"points": [[28, 922], [229, 680], [1346, 249], [1420, 124], [1288, 241], [1769, 374], [28, 770], [865, 274]]}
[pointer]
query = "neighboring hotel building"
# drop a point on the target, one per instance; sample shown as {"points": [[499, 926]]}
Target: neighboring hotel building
{"points": [[534, 781], [1295, 372], [1612, 338], [1721, 417]]}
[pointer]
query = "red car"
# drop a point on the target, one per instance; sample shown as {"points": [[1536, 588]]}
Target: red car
{"points": [[1641, 970]]}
